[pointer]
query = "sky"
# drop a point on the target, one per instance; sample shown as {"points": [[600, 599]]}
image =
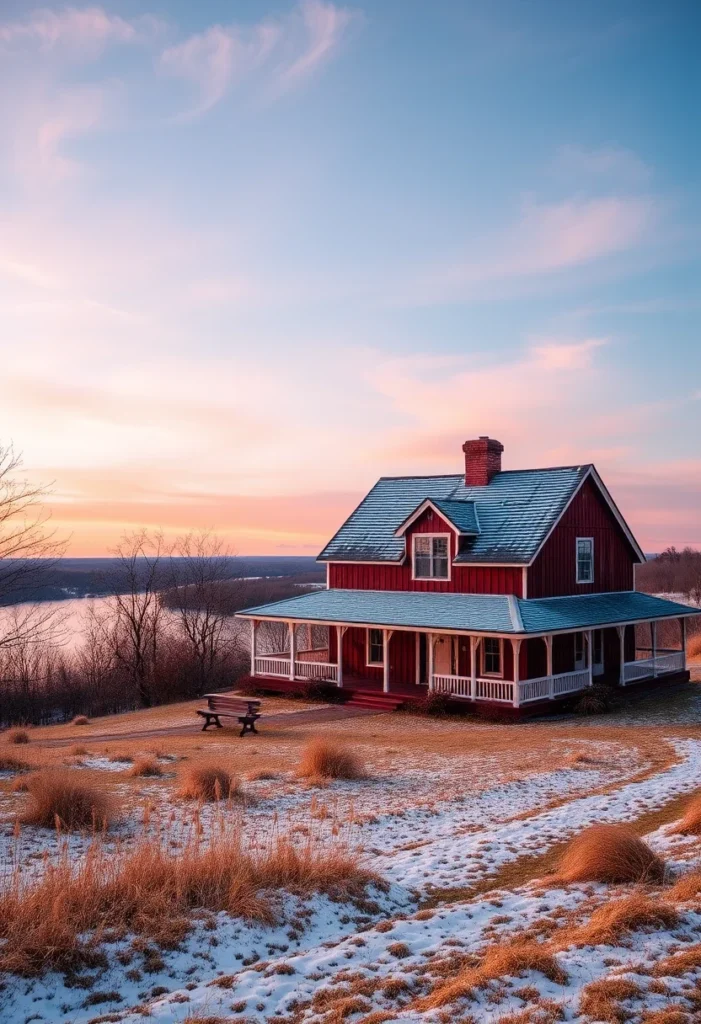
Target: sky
{"points": [[255, 255]]}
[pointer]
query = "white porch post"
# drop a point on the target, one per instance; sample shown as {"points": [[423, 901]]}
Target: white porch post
{"points": [[590, 657], [653, 634], [621, 630], [549, 665], [254, 631], [386, 637], [340, 630], [516, 648], [293, 648], [429, 641], [683, 625], [474, 643]]}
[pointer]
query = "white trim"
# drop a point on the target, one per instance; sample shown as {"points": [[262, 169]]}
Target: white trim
{"points": [[524, 583], [449, 561], [402, 560], [493, 675], [584, 583], [328, 575], [418, 512], [374, 664], [515, 613]]}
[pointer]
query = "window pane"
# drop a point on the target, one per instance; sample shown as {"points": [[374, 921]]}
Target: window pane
{"points": [[422, 566], [440, 547], [440, 568], [492, 656], [585, 560], [375, 652], [422, 545]]}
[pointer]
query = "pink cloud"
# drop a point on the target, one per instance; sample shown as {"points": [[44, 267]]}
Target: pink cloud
{"points": [[558, 355], [86, 30], [325, 24]]}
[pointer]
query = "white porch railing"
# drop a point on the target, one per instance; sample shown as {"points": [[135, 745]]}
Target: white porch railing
{"points": [[279, 665], [647, 668], [501, 691]]}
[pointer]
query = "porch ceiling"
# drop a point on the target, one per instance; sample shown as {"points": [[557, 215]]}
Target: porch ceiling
{"points": [[472, 613]]}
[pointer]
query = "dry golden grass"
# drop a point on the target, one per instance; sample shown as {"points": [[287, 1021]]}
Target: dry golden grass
{"points": [[670, 1015], [20, 784], [207, 782], [81, 720], [690, 825], [686, 887], [8, 763], [612, 920], [59, 799], [601, 1000], [145, 767], [17, 736], [78, 750], [679, 963], [325, 759], [609, 853], [46, 922], [693, 647], [509, 960]]}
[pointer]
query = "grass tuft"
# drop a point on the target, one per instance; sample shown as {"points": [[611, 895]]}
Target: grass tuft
{"points": [[81, 720], [145, 767], [17, 736], [609, 853], [612, 920], [207, 783], [601, 1000], [690, 825], [58, 799], [54, 920], [322, 759], [12, 764], [687, 887]]}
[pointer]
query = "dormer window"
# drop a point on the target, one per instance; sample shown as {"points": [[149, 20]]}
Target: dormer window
{"points": [[585, 559], [431, 556]]}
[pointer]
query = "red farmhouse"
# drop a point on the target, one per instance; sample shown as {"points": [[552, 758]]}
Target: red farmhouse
{"points": [[508, 587]]}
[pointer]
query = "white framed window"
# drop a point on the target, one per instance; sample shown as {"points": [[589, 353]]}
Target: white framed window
{"points": [[585, 559], [492, 656], [580, 657], [431, 556], [375, 647]]}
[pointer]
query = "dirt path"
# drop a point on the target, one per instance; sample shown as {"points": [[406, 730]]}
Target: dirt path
{"points": [[313, 716]]}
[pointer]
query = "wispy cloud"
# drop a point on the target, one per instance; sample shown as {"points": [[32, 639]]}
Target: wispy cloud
{"points": [[289, 50], [559, 355], [604, 163], [85, 31]]}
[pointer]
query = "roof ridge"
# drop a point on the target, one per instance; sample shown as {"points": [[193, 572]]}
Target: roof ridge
{"points": [[515, 613]]}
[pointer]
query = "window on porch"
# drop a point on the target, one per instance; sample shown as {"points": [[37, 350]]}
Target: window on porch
{"points": [[375, 647], [492, 661]]}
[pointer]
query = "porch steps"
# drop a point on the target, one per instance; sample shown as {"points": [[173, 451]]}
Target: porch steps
{"points": [[375, 701]]}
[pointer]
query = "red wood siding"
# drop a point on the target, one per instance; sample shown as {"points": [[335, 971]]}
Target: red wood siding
{"points": [[554, 572], [402, 656]]}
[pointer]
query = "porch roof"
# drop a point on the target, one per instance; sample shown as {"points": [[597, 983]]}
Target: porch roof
{"points": [[471, 613]]}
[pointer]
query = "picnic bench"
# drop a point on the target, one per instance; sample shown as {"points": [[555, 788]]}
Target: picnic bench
{"points": [[227, 705]]}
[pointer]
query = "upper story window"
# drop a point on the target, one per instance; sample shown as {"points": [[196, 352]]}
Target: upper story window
{"points": [[585, 560], [431, 556]]}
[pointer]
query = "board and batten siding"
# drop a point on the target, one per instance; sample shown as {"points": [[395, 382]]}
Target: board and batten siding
{"points": [[464, 579], [554, 572]]}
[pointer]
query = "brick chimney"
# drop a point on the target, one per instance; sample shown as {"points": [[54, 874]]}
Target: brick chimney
{"points": [[482, 460]]}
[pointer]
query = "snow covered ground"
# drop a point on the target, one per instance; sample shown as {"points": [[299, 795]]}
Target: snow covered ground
{"points": [[434, 831]]}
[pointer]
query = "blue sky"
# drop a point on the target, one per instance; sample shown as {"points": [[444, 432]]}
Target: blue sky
{"points": [[253, 256]]}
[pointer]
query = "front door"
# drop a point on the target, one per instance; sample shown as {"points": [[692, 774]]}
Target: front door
{"points": [[444, 656]]}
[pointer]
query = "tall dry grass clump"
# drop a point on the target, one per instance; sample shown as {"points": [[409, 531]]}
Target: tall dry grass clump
{"points": [[690, 825], [693, 647], [609, 853], [49, 921], [12, 764], [612, 920], [323, 759], [81, 720], [58, 799], [17, 736], [145, 767], [207, 783]]}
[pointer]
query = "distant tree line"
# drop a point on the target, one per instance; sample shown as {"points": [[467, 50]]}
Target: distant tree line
{"points": [[672, 572], [164, 633]]}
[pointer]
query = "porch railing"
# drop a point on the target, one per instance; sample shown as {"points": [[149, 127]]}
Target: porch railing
{"points": [[647, 668], [314, 654], [279, 665], [501, 691]]}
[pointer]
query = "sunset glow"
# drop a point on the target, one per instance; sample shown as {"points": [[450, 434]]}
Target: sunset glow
{"points": [[254, 256]]}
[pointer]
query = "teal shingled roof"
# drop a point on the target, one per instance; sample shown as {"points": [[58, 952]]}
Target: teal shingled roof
{"points": [[515, 513], [479, 613], [462, 514]]}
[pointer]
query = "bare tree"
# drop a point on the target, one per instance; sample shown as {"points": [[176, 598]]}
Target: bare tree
{"points": [[204, 593], [134, 629], [28, 551]]}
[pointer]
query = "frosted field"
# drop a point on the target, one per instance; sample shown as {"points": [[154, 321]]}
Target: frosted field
{"points": [[461, 824]]}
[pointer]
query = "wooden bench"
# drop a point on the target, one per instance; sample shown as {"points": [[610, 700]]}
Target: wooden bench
{"points": [[226, 705]]}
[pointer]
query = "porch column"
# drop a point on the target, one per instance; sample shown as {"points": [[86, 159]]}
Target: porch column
{"points": [[621, 630], [682, 623], [516, 648], [653, 635], [549, 665], [590, 657], [254, 631], [340, 630], [474, 644], [429, 641], [293, 648], [386, 637]]}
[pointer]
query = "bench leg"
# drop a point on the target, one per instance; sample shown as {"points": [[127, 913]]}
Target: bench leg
{"points": [[247, 727], [211, 719]]}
